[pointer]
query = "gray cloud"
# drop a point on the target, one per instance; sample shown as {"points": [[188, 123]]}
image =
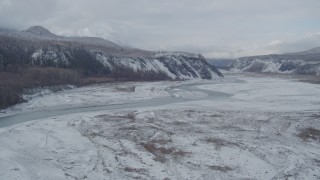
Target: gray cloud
{"points": [[216, 28]]}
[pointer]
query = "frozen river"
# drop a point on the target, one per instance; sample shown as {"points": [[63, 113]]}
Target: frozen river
{"points": [[231, 93], [236, 127], [172, 96]]}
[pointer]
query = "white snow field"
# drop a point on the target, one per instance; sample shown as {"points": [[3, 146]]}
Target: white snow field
{"points": [[238, 127]]}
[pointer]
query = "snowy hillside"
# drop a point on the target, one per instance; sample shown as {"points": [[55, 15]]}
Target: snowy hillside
{"points": [[38, 30], [174, 65], [39, 47], [307, 62]]}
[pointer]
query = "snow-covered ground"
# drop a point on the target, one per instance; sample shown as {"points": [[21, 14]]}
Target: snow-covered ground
{"points": [[268, 94], [236, 128]]}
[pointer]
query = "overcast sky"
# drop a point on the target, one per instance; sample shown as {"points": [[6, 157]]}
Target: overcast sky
{"points": [[215, 28]]}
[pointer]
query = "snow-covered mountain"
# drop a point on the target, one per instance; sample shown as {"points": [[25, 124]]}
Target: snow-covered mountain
{"points": [[38, 30], [39, 47], [306, 62]]}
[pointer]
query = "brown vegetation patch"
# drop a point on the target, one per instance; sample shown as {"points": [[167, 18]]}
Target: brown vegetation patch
{"points": [[179, 123], [317, 162], [153, 148], [215, 115], [135, 170], [190, 111], [14, 78], [310, 134], [106, 117], [220, 168], [204, 122], [13, 82], [131, 116], [315, 115], [218, 142], [161, 151], [126, 89], [95, 80], [180, 153], [103, 116], [93, 134]]}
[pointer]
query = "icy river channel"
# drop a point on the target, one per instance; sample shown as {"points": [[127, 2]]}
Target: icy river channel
{"points": [[172, 98], [238, 127], [242, 93]]}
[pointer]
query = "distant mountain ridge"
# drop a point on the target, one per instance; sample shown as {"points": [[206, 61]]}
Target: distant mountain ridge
{"points": [[305, 62], [37, 46], [221, 63], [311, 51], [38, 30]]}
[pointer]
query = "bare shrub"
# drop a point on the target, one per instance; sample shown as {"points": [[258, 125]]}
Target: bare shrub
{"points": [[190, 111], [220, 168], [218, 142], [136, 170], [215, 115], [94, 80], [310, 134], [126, 89], [317, 162], [95, 134], [315, 115], [131, 116], [160, 151], [179, 123], [153, 148], [179, 152]]}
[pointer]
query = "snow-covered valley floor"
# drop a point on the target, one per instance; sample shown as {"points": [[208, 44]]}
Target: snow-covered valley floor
{"points": [[234, 128]]}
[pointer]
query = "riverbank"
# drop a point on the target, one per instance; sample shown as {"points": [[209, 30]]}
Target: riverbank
{"points": [[237, 127]]}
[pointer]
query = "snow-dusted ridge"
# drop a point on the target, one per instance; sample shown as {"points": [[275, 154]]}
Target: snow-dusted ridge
{"points": [[40, 47], [306, 62], [38, 30]]}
